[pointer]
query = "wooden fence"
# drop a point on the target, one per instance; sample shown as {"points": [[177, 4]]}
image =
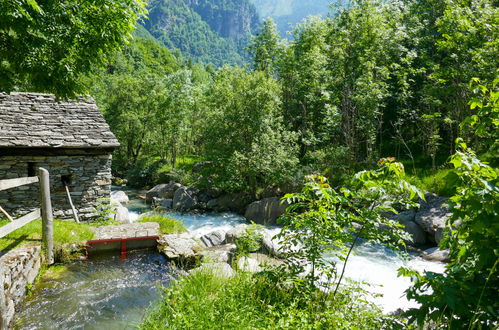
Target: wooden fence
{"points": [[45, 211]]}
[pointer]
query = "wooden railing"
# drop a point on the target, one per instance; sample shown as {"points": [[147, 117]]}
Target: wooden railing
{"points": [[45, 210]]}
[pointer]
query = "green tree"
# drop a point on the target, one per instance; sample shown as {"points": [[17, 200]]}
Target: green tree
{"points": [[46, 46], [266, 48], [244, 135]]}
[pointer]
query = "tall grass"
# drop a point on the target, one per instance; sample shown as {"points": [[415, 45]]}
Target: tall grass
{"points": [[203, 301], [166, 225]]}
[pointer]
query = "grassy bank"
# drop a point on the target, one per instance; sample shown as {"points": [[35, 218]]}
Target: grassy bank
{"points": [[65, 232], [202, 301]]}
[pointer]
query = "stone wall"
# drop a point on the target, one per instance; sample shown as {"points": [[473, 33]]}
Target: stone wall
{"points": [[18, 268], [90, 182]]}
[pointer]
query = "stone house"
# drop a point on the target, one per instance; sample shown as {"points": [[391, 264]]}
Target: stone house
{"points": [[69, 138]]}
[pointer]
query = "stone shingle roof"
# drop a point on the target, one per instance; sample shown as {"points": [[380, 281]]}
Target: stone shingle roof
{"points": [[32, 120]]}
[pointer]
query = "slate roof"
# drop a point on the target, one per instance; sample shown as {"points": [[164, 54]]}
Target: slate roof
{"points": [[32, 120]]}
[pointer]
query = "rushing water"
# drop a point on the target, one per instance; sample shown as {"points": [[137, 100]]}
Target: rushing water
{"points": [[108, 293], [378, 266], [111, 293]]}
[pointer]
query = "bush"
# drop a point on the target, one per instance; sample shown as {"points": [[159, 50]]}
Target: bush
{"points": [[166, 225], [204, 301]]}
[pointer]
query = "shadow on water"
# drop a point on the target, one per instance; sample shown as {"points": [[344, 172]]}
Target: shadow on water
{"points": [[105, 293]]}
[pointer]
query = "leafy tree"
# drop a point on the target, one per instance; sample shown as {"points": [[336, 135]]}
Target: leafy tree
{"points": [[46, 46], [244, 135], [266, 48], [322, 219]]}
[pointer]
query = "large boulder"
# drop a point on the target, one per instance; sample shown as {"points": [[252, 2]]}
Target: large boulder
{"points": [[165, 191], [265, 211], [165, 204], [418, 236], [119, 197], [218, 269], [232, 202], [406, 218], [249, 265], [180, 248], [221, 253], [432, 215], [184, 199], [435, 254], [214, 238]]}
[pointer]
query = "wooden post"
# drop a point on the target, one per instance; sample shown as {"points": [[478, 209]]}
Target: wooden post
{"points": [[47, 216]]}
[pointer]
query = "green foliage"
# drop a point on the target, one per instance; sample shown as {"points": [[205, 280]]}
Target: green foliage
{"points": [[322, 219], [151, 101], [46, 46], [205, 301], [166, 225], [244, 136], [249, 241], [443, 182], [65, 232], [484, 121], [266, 48], [466, 294]]}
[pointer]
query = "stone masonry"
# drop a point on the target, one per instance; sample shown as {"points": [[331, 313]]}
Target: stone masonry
{"points": [[89, 182], [18, 268]]}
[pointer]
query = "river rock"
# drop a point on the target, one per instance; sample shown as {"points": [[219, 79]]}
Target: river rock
{"points": [[212, 204], [404, 216], [417, 234], [165, 191], [119, 197], [221, 253], [435, 254], [219, 269], [233, 202], [270, 244], [265, 211], [248, 265], [180, 248], [184, 199], [214, 238], [166, 204], [238, 231], [432, 215]]}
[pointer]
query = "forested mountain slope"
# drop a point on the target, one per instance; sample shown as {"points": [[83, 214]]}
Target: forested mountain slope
{"points": [[215, 31], [287, 13]]}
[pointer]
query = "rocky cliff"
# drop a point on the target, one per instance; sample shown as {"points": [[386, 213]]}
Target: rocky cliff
{"points": [[215, 31]]}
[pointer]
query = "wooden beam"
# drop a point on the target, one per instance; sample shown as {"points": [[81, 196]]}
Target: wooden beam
{"points": [[75, 214], [12, 183], [18, 223]]}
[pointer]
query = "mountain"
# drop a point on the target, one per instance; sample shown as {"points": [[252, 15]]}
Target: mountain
{"points": [[287, 13], [215, 31]]}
